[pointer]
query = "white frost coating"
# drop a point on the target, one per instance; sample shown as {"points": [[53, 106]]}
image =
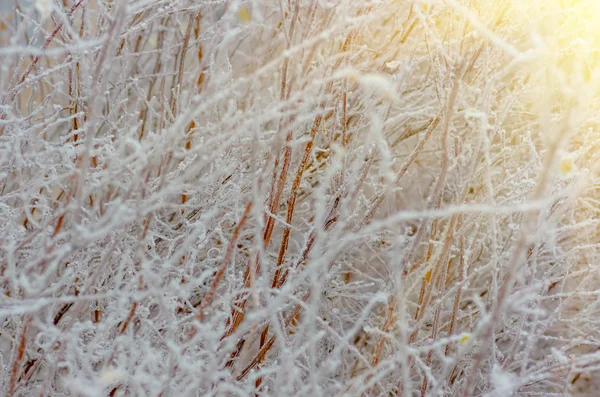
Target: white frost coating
{"points": [[503, 383], [299, 198], [44, 7]]}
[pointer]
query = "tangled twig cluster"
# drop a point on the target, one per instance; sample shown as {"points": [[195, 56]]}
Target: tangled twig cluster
{"points": [[298, 198]]}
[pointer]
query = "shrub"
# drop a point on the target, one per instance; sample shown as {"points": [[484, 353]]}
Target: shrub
{"points": [[302, 197]]}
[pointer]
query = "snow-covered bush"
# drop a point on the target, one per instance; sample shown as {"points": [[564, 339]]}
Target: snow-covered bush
{"points": [[299, 198]]}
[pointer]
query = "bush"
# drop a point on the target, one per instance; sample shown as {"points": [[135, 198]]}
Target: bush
{"points": [[298, 198]]}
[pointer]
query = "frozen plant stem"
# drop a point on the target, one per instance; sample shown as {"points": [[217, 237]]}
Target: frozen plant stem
{"points": [[293, 198]]}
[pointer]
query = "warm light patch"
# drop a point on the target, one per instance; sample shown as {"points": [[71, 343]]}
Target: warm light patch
{"points": [[243, 14], [567, 165]]}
